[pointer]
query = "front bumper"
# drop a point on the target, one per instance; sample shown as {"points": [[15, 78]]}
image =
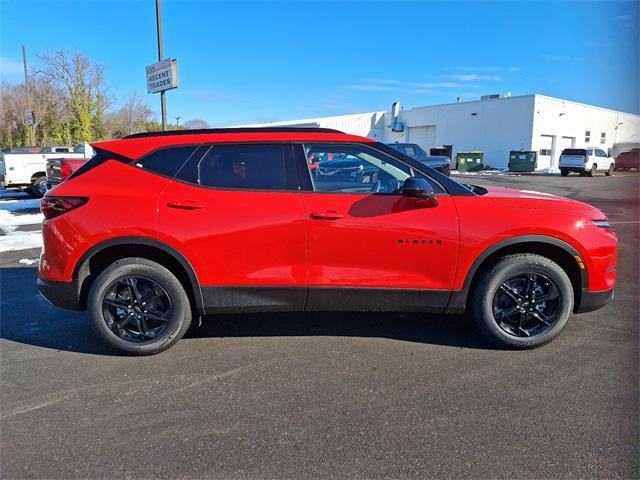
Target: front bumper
{"points": [[590, 301], [61, 294]]}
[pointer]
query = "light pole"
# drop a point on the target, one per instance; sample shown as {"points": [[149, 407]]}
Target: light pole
{"points": [[163, 100], [178, 117], [26, 86]]}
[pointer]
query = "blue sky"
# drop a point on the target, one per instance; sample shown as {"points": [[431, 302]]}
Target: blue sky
{"points": [[243, 62]]}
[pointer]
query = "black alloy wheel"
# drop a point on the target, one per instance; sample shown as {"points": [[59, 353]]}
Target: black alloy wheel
{"points": [[138, 306], [136, 309], [526, 305]]}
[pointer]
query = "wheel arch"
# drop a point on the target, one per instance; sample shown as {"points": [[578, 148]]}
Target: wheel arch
{"points": [[98, 257], [552, 248], [37, 175]]}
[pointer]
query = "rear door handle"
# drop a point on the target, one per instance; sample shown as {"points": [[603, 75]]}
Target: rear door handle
{"points": [[326, 215], [185, 205]]}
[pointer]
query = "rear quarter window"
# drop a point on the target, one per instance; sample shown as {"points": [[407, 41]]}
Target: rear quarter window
{"points": [[166, 161]]}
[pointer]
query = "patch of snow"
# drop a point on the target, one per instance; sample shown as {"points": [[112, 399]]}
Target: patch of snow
{"points": [[28, 261], [10, 222], [15, 205], [20, 241]]}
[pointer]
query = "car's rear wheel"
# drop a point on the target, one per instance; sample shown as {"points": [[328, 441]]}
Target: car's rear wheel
{"points": [[564, 173], [139, 307], [594, 169], [38, 187], [610, 171], [523, 301]]}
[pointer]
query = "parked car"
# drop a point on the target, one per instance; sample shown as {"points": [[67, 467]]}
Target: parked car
{"points": [[413, 150], [586, 161], [28, 170], [157, 228], [58, 169], [628, 160]]}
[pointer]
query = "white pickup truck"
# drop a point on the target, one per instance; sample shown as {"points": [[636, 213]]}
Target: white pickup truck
{"points": [[28, 170]]}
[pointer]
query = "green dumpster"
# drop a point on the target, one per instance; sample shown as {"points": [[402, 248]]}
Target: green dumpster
{"points": [[523, 161], [469, 161]]}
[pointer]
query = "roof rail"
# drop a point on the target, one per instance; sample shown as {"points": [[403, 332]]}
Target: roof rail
{"points": [[203, 131]]}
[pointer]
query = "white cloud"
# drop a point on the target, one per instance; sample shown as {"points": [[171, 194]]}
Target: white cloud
{"points": [[421, 91], [468, 77], [9, 66], [486, 69], [370, 88], [554, 58], [622, 18], [441, 85]]}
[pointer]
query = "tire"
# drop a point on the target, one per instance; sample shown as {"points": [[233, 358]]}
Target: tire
{"points": [[564, 173], [173, 307], [593, 171], [610, 171], [38, 187], [490, 292]]}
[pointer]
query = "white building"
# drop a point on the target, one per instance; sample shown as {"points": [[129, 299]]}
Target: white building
{"points": [[495, 125]]}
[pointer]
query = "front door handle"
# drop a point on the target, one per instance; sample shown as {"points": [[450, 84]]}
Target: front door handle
{"points": [[185, 205], [326, 215]]}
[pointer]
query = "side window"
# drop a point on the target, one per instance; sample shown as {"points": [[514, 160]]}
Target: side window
{"points": [[354, 169], [166, 161], [410, 150], [589, 152], [255, 166]]}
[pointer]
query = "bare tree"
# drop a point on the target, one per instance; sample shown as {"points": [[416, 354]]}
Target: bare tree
{"points": [[134, 116], [82, 80], [195, 124]]}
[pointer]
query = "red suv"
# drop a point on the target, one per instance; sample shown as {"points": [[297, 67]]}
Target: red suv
{"points": [[159, 227]]}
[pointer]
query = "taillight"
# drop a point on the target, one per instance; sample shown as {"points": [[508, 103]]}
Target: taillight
{"points": [[65, 169], [586, 159], [53, 206]]}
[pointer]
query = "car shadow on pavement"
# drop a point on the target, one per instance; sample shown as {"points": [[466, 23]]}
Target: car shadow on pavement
{"points": [[27, 318], [447, 330]]}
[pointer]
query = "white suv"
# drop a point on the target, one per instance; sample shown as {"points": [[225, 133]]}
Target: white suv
{"points": [[586, 161]]}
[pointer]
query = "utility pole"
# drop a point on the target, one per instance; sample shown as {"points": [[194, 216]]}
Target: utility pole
{"points": [[178, 117], [26, 86], [163, 100]]}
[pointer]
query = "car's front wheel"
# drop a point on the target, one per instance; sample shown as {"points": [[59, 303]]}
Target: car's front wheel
{"points": [[138, 306], [523, 301]]}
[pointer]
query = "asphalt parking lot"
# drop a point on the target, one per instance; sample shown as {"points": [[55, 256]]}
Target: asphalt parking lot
{"points": [[326, 395]]}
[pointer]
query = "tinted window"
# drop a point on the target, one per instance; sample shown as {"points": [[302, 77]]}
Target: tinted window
{"points": [[256, 166], [354, 169], [581, 152], [166, 161]]}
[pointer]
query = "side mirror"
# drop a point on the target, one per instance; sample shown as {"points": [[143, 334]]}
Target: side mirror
{"points": [[420, 189]]}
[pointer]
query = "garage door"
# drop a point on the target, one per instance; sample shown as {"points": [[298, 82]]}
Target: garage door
{"points": [[423, 136]]}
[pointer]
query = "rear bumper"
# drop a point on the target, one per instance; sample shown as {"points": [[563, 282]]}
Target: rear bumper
{"points": [[578, 169], [591, 301], [61, 294]]}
